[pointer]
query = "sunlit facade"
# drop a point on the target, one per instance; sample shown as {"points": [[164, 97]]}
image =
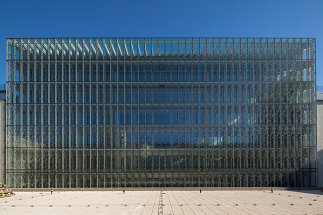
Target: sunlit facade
{"points": [[161, 112]]}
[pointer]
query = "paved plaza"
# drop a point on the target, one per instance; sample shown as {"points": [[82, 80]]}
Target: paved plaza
{"points": [[164, 202]]}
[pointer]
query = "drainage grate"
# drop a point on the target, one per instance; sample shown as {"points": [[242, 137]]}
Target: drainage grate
{"points": [[161, 204]]}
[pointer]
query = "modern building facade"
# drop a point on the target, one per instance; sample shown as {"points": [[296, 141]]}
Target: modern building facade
{"points": [[161, 112]]}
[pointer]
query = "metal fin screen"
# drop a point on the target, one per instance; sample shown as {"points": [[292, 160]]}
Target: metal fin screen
{"points": [[161, 112]]}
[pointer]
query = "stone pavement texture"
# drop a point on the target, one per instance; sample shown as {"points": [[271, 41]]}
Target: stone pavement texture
{"points": [[164, 202]]}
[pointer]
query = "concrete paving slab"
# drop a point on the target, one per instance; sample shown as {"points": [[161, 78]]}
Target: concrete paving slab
{"points": [[164, 202]]}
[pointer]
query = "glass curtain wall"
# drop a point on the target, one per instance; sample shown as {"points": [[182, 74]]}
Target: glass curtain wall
{"points": [[161, 112]]}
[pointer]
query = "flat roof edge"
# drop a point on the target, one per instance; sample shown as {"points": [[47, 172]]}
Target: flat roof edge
{"points": [[96, 37]]}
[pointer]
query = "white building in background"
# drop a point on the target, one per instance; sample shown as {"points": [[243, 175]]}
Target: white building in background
{"points": [[2, 137], [320, 138]]}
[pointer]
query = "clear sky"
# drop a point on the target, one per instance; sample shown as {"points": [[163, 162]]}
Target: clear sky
{"points": [[227, 18]]}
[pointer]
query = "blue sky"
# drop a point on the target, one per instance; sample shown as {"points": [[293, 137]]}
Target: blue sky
{"points": [[227, 18]]}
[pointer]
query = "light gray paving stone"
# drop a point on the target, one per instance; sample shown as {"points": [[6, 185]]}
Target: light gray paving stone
{"points": [[174, 202]]}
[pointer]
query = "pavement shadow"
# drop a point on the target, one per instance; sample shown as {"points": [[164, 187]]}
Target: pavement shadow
{"points": [[315, 191]]}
